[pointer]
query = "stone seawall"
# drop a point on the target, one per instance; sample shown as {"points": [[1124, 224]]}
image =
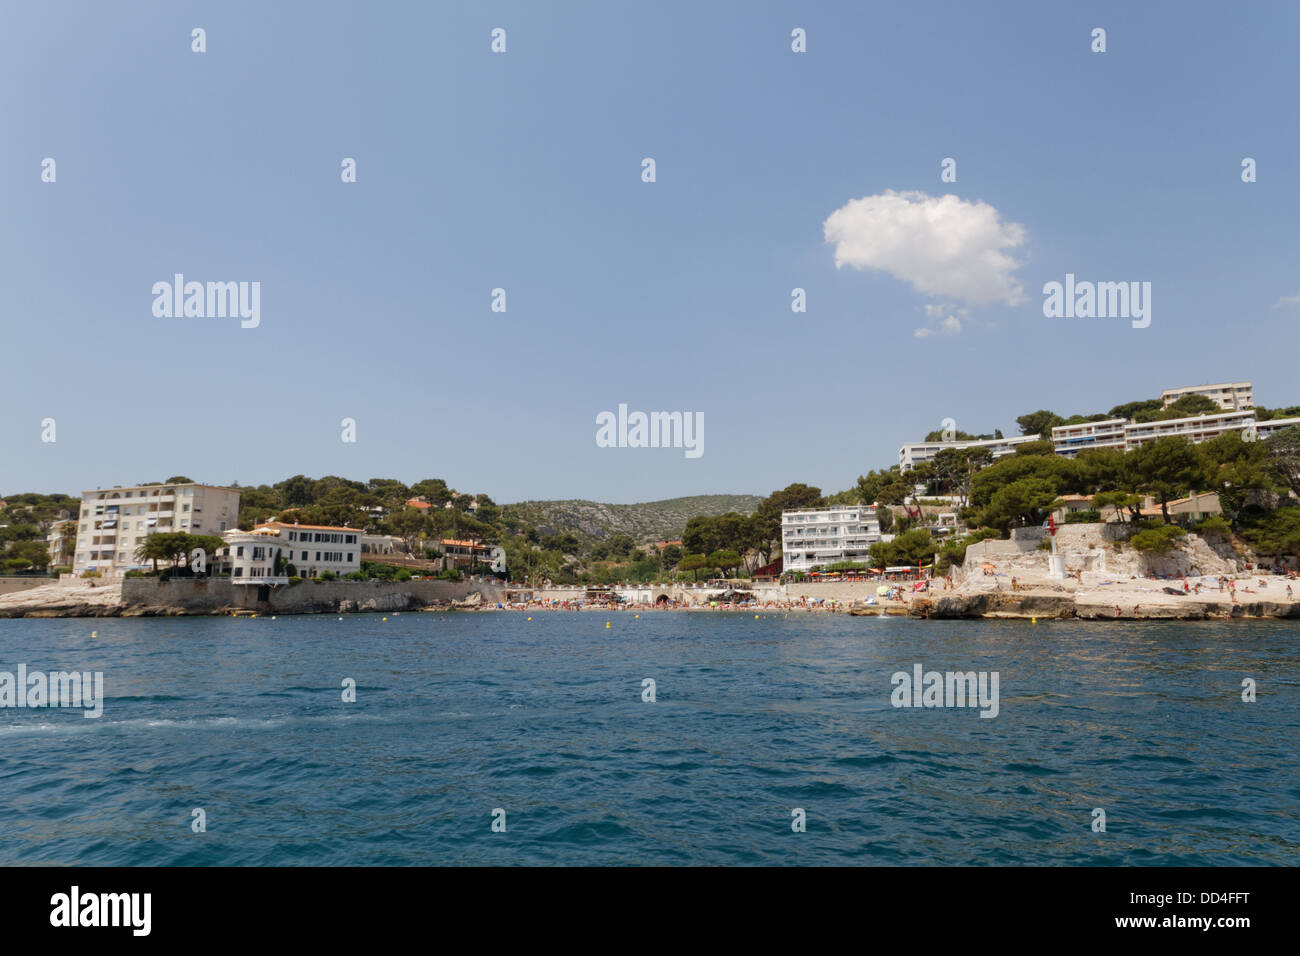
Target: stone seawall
{"points": [[1094, 607], [144, 597]]}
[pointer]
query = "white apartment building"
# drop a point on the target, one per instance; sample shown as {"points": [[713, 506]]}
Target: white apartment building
{"points": [[54, 542], [824, 536], [1196, 429], [1069, 440], [115, 521], [273, 552], [1273, 426], [913, 454], [1231, 396]]}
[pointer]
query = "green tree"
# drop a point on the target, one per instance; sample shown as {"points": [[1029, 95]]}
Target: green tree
{"points": [[909, 548], [1167, 468], [727, 560], [1190, 405], [22, 555], [1040, 422], [1235, 468], [693, 563], [1024, 501], [1132, 410], [954, 468], [767, 516], [1043, 447], [1283, 457]]}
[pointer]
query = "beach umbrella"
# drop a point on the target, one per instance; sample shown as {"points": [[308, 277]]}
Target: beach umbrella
{"points": [[882, 590]]}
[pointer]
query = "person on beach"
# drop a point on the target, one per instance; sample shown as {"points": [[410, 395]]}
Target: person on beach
{"points": [[1288, 592]]}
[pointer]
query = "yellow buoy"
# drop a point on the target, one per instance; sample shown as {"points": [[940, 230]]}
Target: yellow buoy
{"points": [[638, 617], [94, 633], [530, 619], [1033, 620], [607, 623], [756, 617], [385, 619]]}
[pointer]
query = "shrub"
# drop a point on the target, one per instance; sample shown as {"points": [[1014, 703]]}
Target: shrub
{"points": [[1213, 525], [61, 569], [354, 576], [294, 579], [90, 574], [449, 574], [1090, 516], [1157, 540], [329, 576], [402, 575]]}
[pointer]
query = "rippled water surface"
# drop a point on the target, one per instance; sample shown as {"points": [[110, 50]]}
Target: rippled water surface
{"points": [[458, 714]]}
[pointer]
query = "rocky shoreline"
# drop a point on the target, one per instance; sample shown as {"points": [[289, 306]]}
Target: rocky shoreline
{"points": [[1082, 607]]}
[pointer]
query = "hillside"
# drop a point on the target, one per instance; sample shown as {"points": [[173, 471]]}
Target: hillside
{"points": [[644, 522]]}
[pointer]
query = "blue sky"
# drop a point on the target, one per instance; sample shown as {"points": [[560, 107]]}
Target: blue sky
{"points": [[523, 171]]}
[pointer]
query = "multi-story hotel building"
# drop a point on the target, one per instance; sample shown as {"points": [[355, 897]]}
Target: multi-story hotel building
{"points": [[1231, 396], [824, 536], [914, 453], [1069, 440], [274, 551], [1273, 426], [115, 521], [1196, 429]]}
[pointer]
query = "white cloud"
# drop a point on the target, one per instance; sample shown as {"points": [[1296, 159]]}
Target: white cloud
{"points": [[1287, 300], [942, 245], [949, 324]]}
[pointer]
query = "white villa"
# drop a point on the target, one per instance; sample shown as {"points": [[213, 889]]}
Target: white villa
{"points": [[273, 552]]}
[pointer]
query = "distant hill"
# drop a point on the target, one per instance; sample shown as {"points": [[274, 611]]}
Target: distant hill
{"points": [[643, 522]]}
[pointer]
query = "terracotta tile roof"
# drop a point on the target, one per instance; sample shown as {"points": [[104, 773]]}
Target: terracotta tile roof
{"points": [[309, 527]]}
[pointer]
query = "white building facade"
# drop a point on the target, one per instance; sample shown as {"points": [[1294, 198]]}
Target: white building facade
{"points": [[820, 537], [1196, 429], [115, 521], [273, 552], [914, 453], [1069, 440], [1231, 396]]}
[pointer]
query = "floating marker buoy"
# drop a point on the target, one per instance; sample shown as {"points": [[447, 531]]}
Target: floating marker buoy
{"points": [[340, 619], [254, 615], [94, 633], [530, 619], [756, 617], [607, 623], [273, 617], [1033, 620], [638, 617], [385, 619]]}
